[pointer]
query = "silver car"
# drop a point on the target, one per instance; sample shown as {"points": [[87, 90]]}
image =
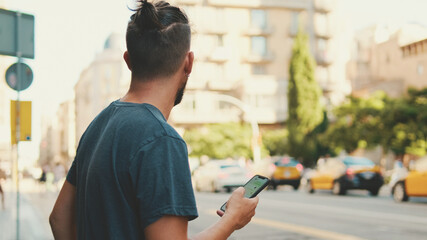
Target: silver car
{"points": [[217, 175]]}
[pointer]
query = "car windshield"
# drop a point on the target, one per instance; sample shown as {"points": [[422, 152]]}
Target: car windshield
{"points": [[229, 166], [286, 162], [357, 161]]}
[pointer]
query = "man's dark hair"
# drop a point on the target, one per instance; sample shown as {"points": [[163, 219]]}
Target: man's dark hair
{"points": [[158, 37]]}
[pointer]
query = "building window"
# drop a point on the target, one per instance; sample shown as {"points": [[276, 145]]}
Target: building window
{"points": [[218, 71], [189, 103], [321, 45], [420, 69], [321, 23], [294, 23], [258, 18], [219, 40], [258, 69], [259, 46]]}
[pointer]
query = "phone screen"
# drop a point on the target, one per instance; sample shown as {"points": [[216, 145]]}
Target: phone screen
{"points": [[254, 186]]}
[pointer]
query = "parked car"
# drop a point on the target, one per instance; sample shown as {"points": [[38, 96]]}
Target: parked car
{"points": [[414, 184], [287, 171], [345, 173], [217, 175]]}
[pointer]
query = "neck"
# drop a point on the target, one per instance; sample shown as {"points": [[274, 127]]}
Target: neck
{"points": [[157, 92]]}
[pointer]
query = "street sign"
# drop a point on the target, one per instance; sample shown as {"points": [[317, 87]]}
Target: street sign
{"points": [[25, 76], [10, 32], [24, 120]]}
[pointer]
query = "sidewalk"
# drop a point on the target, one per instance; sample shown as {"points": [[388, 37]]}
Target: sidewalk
{"points": [[35, 206]]}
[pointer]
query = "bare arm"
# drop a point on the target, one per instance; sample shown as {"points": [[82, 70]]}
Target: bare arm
{"points": [[239, 212], [63, 217]]}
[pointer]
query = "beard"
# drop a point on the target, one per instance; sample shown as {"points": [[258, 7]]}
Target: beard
{"points": [[180, 94]]}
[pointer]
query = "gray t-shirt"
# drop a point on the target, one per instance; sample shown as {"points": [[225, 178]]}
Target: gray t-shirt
{"points": [[131, 168]]}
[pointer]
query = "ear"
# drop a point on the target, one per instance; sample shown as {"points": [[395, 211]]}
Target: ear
{"points": [[189, 59], [127, 59]]}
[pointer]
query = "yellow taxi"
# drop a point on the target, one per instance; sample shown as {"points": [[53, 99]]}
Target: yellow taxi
{"points": [[345, 173], [414, 184], [287, 171]]}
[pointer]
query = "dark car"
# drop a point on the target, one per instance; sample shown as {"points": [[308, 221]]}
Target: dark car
{"points": [[342, 174]]}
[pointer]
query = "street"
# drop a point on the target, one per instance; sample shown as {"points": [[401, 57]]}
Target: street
{"points": [[288, 214], [281, 214]]}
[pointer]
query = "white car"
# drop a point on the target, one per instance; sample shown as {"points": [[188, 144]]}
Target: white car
{"points": [[217, 175]]}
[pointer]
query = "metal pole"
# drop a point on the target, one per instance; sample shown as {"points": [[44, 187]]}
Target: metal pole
{"points": [[18, 122]]}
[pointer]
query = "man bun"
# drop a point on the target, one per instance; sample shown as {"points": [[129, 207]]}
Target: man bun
{"points": [[146, 16], [158, 37]]}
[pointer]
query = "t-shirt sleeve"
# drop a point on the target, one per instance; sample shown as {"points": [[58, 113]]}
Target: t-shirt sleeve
{"points": [[71, 176], [162, 180]]}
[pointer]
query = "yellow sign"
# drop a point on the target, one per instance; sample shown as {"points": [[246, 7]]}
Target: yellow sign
{"points": [[24, 120]]}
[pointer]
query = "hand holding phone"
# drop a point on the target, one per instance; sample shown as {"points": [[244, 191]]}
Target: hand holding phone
{"points": [[254, 186]]}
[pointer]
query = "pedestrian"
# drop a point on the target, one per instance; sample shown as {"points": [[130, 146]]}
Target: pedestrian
{"points": [[2, 176], [58, 175], [130, 178]]}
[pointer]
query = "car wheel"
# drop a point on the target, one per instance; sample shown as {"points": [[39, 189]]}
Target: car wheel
{"points": [[309, 187], [273, 184], [213, 188], [374, 192], [337, 189], [296, 186], [399, 193]]}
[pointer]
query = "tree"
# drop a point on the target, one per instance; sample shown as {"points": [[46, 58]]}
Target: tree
{"points": [[221, 141], [304, 107], [359, 124], [275, 141]]}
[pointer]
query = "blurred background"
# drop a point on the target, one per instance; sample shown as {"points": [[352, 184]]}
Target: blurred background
{"points": [[321, 96]]}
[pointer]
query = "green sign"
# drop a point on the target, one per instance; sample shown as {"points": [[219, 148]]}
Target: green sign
{"points": [[14, 27]]}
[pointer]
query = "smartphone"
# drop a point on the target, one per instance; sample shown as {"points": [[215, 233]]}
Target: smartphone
{"points": [[254, 186]]}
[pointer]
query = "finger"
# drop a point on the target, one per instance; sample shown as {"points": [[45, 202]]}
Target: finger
{"points": [[220, 213], [239, 191], [255, 200]]}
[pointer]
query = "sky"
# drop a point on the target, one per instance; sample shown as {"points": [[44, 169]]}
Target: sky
{"points": [[69, 34]]}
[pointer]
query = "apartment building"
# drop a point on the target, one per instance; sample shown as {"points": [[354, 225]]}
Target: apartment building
{"points": [[58, 136], [389, 58], [242, 53], [106, 79], [242, 50]]}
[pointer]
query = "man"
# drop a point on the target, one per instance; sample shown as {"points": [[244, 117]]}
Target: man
{"points": [[130, 178]]}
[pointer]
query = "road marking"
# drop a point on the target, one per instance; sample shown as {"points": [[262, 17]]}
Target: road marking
{"points": [[307, 231], [355, 212]]}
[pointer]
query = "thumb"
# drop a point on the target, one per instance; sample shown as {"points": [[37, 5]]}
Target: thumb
{"points": [[240, 191]]}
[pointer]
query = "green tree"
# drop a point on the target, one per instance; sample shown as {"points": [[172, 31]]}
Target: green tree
{"points": [[275, 141], [358, 124], [221, 141], [397, 124], [305, 112], [407, 120]]}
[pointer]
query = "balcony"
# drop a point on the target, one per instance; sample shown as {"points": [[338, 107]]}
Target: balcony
{"points": [[323, 32], [258, 58], [324, 58], [266, 96], [221, 85], [214, 30], [218, 55], [324, 6], [289, 4], [257, 31]]}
